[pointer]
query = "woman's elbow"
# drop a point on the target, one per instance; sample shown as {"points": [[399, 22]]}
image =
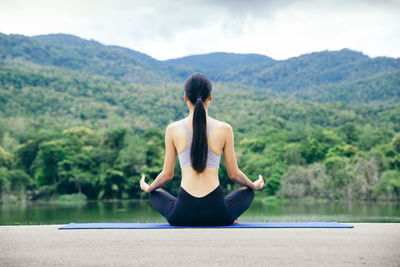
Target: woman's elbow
{"points": [[233, 173], [168, 176]]}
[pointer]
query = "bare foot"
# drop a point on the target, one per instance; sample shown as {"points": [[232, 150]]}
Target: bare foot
{"points": [[236, 221]]}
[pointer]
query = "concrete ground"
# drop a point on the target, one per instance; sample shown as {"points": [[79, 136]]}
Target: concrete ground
{"points": [[367, 244]]}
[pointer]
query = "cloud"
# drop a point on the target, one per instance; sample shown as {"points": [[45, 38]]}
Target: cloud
{"points": [[255, 8], [168, 29], [264, 8]]}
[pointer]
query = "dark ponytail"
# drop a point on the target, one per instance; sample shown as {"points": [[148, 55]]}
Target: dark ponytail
{"points": [[197, 89]]}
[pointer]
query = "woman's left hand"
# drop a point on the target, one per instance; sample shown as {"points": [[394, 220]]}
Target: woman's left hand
{"points": [[143, 185]]}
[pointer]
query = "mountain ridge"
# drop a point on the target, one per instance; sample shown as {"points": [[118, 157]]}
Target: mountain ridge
{"points": [[312, 73]]}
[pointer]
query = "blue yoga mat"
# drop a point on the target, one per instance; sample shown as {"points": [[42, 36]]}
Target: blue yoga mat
{"points": [[237, 225]]}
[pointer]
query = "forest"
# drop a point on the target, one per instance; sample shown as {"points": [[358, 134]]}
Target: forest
{"points": [[322, 126]]}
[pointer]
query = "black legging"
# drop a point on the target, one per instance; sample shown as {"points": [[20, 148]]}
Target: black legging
{"points": [[210, 210]]}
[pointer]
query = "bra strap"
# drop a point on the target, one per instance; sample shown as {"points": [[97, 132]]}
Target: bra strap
{"points": [[210, 127], [187, 129]]}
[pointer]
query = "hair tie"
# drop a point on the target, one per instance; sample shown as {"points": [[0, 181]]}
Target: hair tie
{"points": [[199, 97]]}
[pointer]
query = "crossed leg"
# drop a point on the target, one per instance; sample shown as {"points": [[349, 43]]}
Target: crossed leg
{"points": [[239, 201], [162, 201]]}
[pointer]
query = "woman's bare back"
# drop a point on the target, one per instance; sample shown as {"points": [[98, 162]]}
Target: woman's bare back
{"points": [[199, 184]]}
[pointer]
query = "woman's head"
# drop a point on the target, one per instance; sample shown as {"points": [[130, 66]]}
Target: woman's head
{"points": [[197, 85], [197, 89]]}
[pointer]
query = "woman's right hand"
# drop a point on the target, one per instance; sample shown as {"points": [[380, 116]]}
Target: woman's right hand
{"points": [[259, 184]]}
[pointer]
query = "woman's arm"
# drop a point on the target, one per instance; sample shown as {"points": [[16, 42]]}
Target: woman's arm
{"points": [[169, 164], [231, 164]]}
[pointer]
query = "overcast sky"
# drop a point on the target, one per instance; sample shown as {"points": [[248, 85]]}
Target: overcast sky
{"points": [[169, 29]]}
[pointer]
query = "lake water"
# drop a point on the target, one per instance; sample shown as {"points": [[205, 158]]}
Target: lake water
{"points": [[142, 211]]}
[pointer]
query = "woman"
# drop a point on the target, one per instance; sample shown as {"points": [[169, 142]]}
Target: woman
{"points": [[199, 141]]}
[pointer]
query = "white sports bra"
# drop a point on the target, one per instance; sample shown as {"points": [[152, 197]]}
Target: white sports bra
{"points": [[184, 157]]}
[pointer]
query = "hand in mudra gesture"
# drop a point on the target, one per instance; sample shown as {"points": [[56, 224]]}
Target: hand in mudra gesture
{"points": [[259, 184], [143, 185]]}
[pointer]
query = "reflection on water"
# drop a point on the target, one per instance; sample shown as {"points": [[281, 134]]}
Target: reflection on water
{"points": [[142, 211]]}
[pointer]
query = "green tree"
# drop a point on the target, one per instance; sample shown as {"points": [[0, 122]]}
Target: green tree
{"points": [[388, 187], [313, 151], [6, 158], [349, 132], [293, 154], [50, 154], [371, 138], [338, 169], [396, 143]]}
